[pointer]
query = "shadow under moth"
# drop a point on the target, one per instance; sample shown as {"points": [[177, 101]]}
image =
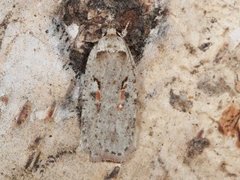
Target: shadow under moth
{"points": [[109, 101]]}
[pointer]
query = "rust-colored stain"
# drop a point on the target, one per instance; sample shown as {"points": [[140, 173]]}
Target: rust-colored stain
{"points": [[229, 122], [50, 113], [24, 113], [4, 99]]}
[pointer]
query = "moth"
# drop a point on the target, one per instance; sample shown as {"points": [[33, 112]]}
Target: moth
{"points": [[109, 95]]}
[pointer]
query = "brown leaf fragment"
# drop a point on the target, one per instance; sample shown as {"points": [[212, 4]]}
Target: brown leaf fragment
{"points": [[228, 123]]}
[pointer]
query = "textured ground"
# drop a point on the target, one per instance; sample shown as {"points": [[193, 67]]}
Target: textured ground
{"points": [[187, 79]]}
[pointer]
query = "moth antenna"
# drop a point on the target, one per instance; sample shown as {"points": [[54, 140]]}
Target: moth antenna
{"points": [[124, 32]]}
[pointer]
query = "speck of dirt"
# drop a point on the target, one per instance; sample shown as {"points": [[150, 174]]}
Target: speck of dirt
{"points": [[4, 25], [222, 52], [113, 173], [180, 102], [24, 113], [197, 145], [190, 48], [217, 87], [223, 168], [205, 46]]}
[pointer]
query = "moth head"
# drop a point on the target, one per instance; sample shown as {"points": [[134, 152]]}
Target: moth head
{"points": [[111, 31]]}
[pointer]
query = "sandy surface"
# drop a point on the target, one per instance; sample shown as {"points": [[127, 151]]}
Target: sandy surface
{"points": [[186, 80]]}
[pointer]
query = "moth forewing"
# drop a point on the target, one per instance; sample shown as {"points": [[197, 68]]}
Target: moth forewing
{"points": [[108, 101]]}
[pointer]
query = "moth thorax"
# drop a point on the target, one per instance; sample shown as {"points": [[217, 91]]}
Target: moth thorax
{"points": [[111, 31]]}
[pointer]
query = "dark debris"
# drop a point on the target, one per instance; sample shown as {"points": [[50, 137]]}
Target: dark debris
{"points": [[78, 60], [197, 145], [113, 173], [205, 46], [4, 25], [180, 102], [211, 88], [94, 17]]}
